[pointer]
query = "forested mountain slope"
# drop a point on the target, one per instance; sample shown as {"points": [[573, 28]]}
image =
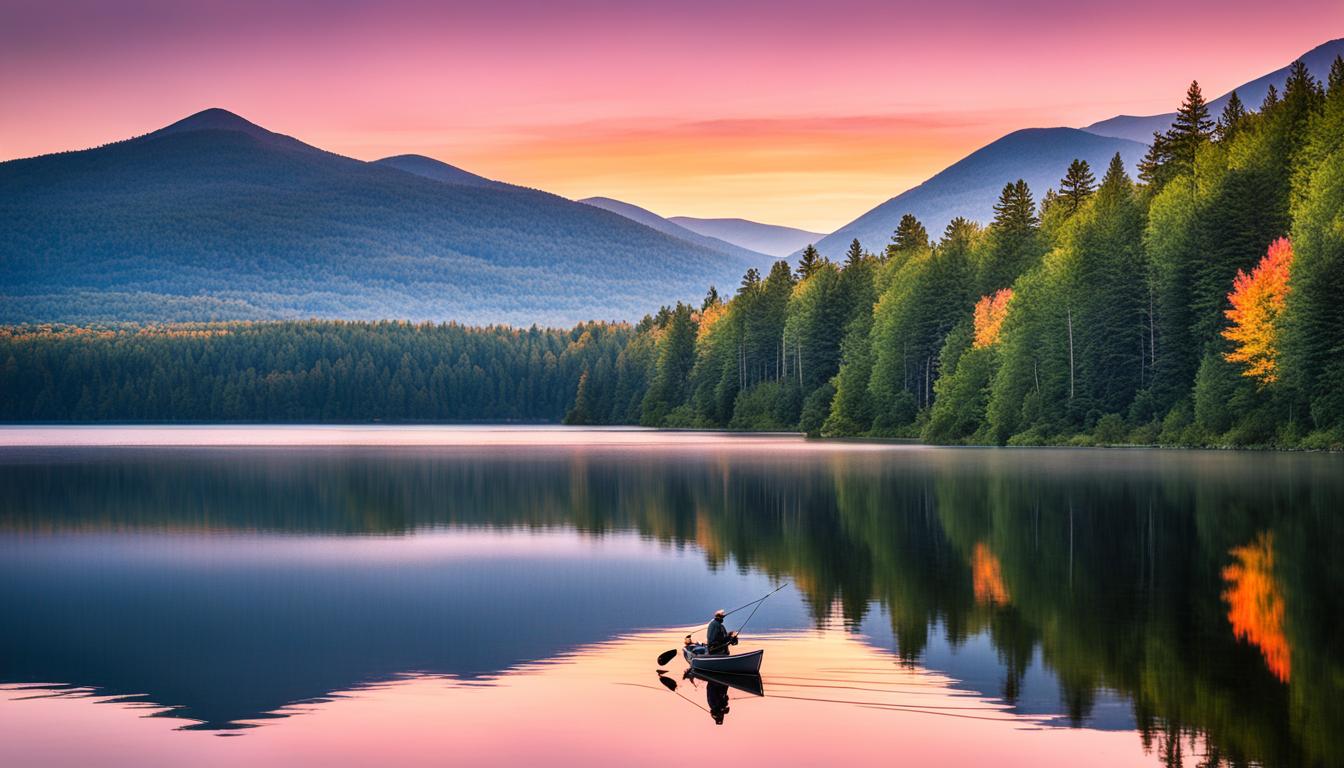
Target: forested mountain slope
{"points": [[969, 187], [438, 170], [1141, 127], [217, 218]]}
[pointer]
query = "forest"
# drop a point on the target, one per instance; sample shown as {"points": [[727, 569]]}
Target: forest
{"points": [[317, 371], [1199, 304]]}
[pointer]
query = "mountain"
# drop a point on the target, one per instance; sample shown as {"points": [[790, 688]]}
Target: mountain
{"points": [[1141, 128], [770, 239], [971, 186], [438, 170], [214, 217], [668, 227]]}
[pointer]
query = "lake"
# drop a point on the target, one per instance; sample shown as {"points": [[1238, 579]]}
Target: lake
{"points": [[368, 596]]}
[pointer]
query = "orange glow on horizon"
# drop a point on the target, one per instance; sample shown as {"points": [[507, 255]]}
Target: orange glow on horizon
{"points": [[801, 114]]}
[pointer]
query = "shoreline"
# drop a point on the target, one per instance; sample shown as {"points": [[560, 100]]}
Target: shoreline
{"points": [[491, 434]]}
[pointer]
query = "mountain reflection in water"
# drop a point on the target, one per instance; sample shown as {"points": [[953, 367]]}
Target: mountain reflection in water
{"points": [[1191, 597]]}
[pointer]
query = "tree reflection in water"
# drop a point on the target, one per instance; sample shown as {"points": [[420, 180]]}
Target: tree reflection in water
{"points": [[1199, 586]]}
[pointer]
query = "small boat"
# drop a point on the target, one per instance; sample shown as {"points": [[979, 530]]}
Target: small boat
{"points": [[738, 664], [749, 684]]}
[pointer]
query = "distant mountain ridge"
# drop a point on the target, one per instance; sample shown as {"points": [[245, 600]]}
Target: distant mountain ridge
{"points": [[214, 217], [438, 170], [771, 239], [666, 226], [970, 186], [1252, 94]]}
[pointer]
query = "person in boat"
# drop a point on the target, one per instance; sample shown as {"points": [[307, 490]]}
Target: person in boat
{"points": [[719, 636]]}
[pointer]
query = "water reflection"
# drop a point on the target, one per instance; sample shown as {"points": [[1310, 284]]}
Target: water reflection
{"points": [[1191, 597]]}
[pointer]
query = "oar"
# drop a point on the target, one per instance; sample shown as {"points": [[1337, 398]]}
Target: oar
{"points": [[667, 655]]}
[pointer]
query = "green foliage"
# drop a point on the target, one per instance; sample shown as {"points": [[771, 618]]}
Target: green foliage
{"points": [[1077, 186], [326, 371], [1113, 333]]}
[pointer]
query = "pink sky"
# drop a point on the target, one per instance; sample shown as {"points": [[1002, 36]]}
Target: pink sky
{"points": [[794, 113]]}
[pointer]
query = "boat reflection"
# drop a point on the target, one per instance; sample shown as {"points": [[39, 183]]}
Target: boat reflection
{"points": [[1177, 598], [834, 699], [717, 686]]}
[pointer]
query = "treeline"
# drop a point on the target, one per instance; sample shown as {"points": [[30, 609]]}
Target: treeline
{"points": [[1201, 304], [313, 371]]}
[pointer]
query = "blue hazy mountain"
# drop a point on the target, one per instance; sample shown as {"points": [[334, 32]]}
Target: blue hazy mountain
{"points": [[970, 186], [438, 170], [1252, 94], [770, 239], [214, 217], [666, 226]]}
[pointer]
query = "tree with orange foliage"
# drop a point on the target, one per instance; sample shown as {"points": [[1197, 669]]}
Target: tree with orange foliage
{"points": [[989, 314], [1255, 607], [1257, 303]]}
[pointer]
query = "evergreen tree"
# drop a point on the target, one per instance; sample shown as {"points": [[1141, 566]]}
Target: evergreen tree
{"points": [[1314, 315], [1077, 185], [910, 235], [676, 355], [1109, 327], [1190, 129], [1335, 80], [1155, 167], [855, 253], [809, 262], [1233, 115], [1271, 100], [1014, 245], [711, 298]]}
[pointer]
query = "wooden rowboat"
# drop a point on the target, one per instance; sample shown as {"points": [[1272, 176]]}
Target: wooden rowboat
{"points": [[737, 664]]}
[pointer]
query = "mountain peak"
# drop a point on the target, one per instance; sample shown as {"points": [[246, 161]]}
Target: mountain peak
{"points": [[219, 119]]}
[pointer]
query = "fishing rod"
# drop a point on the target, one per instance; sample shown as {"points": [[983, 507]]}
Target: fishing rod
{"points": [[666, 656], [755, 602]]}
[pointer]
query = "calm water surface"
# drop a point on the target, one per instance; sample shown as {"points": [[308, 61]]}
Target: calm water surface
{"points": [[429, 596]]}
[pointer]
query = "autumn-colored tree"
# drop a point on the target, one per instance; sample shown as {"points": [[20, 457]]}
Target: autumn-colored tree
{"points": [[989, 314], [1257, 301], [1255, 607]]}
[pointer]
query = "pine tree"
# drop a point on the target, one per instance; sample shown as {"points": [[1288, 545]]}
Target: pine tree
{"points": [[1107, 326], [1334, 82], [855, 253], [1077, 185], [1233, 114], [1271, 100], [1155, 167], [711, 299], [1013, 246], [809, 262], [676, 355], [910, 234], [750, 280], [1190, 130], [1174, 152]]}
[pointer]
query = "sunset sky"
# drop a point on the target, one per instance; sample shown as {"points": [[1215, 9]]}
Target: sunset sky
{"points": [[804, 114]]}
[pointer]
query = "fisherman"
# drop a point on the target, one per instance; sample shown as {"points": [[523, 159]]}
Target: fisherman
{"points": [[719, 636]]}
